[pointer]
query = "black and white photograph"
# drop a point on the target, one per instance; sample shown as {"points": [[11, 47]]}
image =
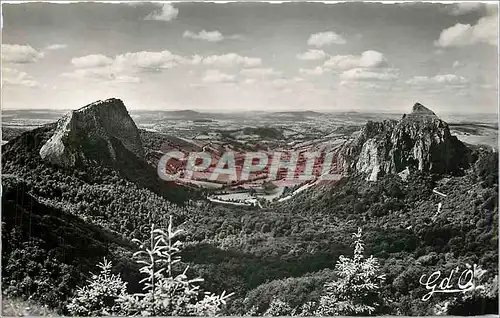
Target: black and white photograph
{"points": [[251, 158]]}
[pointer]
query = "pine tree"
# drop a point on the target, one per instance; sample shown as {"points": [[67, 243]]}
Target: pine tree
{"points": [[167, 294], [99, 297], [355, 292]]}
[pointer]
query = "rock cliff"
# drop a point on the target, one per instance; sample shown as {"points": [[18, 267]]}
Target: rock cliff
{"points": [[420, 140], [94, 132]]}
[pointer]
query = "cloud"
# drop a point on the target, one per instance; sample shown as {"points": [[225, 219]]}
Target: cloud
{"points": [[361, 85], [167, 12], [444, 79], [363, 74], [147, 61], [133, 3], [325, 38], [318, 70], [231, 59], [134, 61], [216, 76], [210, 36], [312, 55], [367, 59], [21, 54], [125, 67], [459, 35], [15, 77], [91, 60], [106, 74], [249, 81], [457, 64], [55, 47], [259, 72], [462, 8]]}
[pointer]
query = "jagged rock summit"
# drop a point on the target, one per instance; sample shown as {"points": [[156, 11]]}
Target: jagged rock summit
{"points": [[420, 140], [419, 109], [99, 132]]}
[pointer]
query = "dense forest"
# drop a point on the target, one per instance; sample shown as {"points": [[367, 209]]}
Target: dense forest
{"points": [[58, 225]]}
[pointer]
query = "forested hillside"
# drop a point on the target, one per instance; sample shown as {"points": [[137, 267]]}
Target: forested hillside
{"points": [[58, 224]]}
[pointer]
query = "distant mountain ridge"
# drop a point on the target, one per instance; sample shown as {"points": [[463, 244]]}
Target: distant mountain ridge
{"points": [[419, 140]]}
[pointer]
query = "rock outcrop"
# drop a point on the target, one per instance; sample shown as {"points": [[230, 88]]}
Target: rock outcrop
{"points": [[95, 132], [420, 140]]}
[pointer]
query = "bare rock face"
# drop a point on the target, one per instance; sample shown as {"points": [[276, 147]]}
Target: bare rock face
{"points": [[94, 132], [420, 140]]}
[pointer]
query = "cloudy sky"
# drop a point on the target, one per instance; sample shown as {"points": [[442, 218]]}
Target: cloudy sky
{"points": [[251, 56]]}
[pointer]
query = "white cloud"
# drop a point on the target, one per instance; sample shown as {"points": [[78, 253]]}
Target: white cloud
{"points": [[56, 47], [465, 7], [15, 77], [133, 62], [250, 81], [156, 61], [126, 79], [144, 60], [259, 72], [133, 3], [446, 79], [216, 76], [312, 55], [232, 59], [15, 53], [167, 12], [91, 60], [361, 85], [325, 38], [106, 74], [450, 79], [196, 59], [484, 31], [318, 70], [125, 67], [210, 36], [367, 59], [360, 74], [456, 64]]}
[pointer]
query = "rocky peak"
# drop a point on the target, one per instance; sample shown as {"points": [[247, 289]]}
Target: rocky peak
{"points": [[420, 140], [94, 132], [419, 109]]}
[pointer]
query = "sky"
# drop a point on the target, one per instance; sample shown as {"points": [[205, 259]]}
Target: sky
{"points": [[252, 56]]}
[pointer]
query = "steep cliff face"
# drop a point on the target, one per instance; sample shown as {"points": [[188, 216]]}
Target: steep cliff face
{"points": [[420, 140], [94, 132]]}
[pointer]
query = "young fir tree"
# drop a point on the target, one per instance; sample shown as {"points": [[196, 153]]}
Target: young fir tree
{"points": [[99, 297], [167, 294], [355, 292]]}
